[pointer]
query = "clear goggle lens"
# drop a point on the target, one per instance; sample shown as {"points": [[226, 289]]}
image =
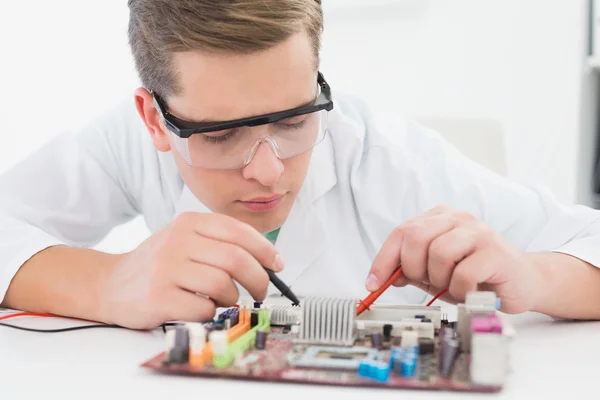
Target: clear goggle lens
{"points": [[234, 149]]}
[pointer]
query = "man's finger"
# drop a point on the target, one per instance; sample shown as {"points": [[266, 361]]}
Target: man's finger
{"points": [[230, 230], [207, 280], [478, 268], [232, 259], [417, 237], [386, 261], [182, 305], [446, 251]]}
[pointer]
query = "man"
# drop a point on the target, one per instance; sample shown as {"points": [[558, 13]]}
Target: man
{"points": [[235, 139]]}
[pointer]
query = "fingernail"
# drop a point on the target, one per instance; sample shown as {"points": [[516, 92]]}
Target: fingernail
{"points": [[372, 283], [279, 264]]}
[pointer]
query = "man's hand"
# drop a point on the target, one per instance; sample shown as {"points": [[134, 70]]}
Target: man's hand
{"points": [[186, 270], [451, 249]]}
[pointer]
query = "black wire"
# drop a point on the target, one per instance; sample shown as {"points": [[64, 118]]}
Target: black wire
{"points": [[74, 328]]}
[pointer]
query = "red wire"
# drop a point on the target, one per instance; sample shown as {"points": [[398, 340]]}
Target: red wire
{"points": [[440, 294], [26, 314], [364, 304]]}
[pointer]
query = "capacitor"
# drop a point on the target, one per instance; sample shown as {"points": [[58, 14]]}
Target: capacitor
{"points": [[180, 352], [253, 318], [446, 332], [169, 340], [425, 320], [448, 353], [376, 370], [261, 340], [234, 319], [257, 304], [376, 340], [426, 346], [387, 332], [409, 365], [419, 316]]}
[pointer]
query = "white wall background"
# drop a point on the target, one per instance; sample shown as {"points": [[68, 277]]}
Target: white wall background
{"points": [[522, 62]]}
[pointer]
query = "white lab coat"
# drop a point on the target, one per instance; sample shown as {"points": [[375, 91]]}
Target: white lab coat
{"points": [[370, 175]]}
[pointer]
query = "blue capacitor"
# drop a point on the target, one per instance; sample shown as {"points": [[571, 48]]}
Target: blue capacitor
{"points": [[376, 370], [401, 354], [382, 372], [419, 316], [409, 365], [364, 369]]}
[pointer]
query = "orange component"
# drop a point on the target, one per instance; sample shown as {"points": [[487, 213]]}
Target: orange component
{"points": [[233, 333]]}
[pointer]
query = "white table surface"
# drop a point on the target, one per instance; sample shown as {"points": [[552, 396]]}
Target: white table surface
{"points": [[547, 357]]}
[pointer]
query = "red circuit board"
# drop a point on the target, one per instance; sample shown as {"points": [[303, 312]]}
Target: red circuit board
{"points": [[272, 365]]}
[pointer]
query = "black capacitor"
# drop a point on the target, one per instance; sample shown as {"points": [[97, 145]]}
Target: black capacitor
{"points": [[180, 353], [448, 354], [376, 340], [387, 332], [425, 320], [253, 319], [261, 340], [257, 304], [234, 319], [426, 346]]}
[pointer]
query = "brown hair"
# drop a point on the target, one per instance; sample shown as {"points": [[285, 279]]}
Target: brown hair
{"points": [[159, 28]]}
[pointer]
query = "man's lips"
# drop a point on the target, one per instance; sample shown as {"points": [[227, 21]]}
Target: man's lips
{"points": [[265, 203], [264, 199]]}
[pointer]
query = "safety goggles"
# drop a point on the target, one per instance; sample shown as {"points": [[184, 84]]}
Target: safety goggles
{"points": [[232, 144]]}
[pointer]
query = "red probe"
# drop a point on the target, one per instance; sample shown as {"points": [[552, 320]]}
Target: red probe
{"points": [[364, 304]]}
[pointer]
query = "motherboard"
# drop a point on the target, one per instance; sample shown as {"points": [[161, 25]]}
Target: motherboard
{"points": [[324, 342]]}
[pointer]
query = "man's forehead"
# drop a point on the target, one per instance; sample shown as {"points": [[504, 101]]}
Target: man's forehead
{"points": [[225, 87]]}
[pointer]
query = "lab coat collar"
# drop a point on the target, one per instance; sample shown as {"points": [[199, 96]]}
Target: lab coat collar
{"points": [[303, 237]]}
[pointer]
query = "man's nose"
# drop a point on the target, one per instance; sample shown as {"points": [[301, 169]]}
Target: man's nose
{"points": [[265, 166]]}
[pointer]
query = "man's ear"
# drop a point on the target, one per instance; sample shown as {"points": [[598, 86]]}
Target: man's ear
{"points": [[144, 102]]}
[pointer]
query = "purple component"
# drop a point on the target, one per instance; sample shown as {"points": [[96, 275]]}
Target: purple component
{"points": [[446, 332], [182, 337], [179, 354], [376, 340], [261, 340], [257, 304], [448, 354], [419, 316]]}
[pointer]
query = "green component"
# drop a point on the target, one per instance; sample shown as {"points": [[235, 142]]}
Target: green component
{"points": [[243, 343]]}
